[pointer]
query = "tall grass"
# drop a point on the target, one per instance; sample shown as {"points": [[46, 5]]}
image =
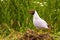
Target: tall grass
{"points": [[14, 14]]}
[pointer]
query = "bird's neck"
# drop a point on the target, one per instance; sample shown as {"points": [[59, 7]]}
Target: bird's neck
{"points": [[36, 16]]}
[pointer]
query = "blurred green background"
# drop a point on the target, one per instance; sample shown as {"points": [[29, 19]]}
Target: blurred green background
{"points": [[14, 15]]}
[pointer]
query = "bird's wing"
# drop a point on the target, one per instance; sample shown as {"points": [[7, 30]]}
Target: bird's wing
{"points": [[41, 23]]}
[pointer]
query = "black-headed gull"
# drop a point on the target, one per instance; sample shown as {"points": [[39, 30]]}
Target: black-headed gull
{"points": [[37, 21]]}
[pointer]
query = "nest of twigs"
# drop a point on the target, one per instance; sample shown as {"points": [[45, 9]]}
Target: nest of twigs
{"points": [[31, 35]]}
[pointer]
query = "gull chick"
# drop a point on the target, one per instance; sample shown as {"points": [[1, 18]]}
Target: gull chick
{"points": [[37, 21]]}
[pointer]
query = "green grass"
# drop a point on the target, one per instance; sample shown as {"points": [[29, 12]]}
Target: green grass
{"points": [[14, 16]]}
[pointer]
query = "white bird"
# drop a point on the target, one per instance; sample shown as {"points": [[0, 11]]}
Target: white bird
{"points": [[37, 21]]}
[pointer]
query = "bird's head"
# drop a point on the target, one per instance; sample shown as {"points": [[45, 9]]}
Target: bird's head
{"points": [[31, 11]]}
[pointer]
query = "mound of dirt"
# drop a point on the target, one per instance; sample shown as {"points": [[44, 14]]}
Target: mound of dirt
{"points": [[31, 35]]}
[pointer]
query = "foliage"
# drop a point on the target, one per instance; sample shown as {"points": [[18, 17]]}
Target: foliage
{"points": [[14, 15]]}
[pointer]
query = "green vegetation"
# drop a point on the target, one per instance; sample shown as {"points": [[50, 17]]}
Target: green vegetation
{"points": [[15, 19]]}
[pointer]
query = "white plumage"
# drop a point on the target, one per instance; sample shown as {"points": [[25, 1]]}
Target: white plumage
{"points": [[38, 22]]}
